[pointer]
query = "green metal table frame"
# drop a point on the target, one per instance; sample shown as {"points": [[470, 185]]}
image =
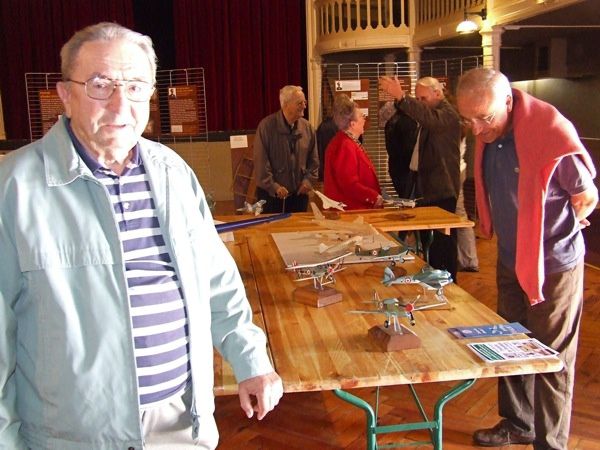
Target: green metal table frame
{"points": [[434, 426]]}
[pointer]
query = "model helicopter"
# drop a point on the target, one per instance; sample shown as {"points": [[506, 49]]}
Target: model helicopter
{"points": [[255, 208], [321, 273], [429, 278], [328, 202], [392, 308]]}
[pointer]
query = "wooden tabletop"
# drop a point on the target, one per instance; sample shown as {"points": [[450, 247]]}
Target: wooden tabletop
{"points": [[329, 348]]}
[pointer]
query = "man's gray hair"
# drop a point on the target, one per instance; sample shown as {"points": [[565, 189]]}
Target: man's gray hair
{"points": [[344, 111], [432, 83], [104, 31], [481, 81], [286, 93]]}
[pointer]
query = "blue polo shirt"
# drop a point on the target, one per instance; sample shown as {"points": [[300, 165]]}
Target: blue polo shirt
{"points": [[563, 244]]}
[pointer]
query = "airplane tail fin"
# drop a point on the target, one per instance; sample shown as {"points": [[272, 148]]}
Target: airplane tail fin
{"points": [[323, 248], [317, 213], [388, 276]]}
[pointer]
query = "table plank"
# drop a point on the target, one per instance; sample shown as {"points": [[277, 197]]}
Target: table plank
{"points": [[225, 383]]}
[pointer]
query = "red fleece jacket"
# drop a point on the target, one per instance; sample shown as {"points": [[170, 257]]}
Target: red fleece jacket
{"points": [[542, 137]]}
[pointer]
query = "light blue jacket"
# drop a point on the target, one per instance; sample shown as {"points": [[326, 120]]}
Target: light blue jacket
{"points": [[67, 373]]}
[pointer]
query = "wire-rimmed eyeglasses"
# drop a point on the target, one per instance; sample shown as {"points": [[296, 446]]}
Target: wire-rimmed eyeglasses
{"points": [[101, 88], [487, 120]]}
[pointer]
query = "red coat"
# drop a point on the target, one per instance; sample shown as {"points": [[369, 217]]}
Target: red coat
{"points": [[349, 174], [542, 137]]}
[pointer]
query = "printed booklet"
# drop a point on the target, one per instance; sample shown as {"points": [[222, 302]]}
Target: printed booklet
{"points": [[500, 329], [518, 350]]}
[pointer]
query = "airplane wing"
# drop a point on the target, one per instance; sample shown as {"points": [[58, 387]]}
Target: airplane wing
{"points": [[331, 261], [317, 213]]}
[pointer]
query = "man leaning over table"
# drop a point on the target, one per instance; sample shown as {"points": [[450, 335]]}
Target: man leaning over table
{"points": [[114, 284], [534, 189]]}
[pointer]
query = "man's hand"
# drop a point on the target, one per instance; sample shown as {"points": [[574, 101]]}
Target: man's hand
{"points": [[379, 201], [267, 389], [281, 192], [392, 86], [304, 188], [584, 204]]}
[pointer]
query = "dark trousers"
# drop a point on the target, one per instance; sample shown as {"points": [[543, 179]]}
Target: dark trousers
{"points": [[274, 205], [443, 250], [541, 403]]}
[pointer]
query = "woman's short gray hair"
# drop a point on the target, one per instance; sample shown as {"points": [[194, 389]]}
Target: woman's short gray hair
{"points": [[104, 31], [344, 111]]}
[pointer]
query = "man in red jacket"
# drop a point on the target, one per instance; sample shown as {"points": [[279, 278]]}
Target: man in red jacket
{"points": [[534, 189]]}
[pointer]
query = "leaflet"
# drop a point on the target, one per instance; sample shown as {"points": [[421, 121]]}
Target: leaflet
{"points": [[500, 329], [518, 350]]}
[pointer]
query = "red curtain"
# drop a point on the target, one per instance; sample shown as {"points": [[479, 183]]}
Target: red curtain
{"points": [[249, 50], [33, 32]]}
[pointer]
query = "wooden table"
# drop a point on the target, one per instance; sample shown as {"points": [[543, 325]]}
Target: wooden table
{"points": [[328, 348]]}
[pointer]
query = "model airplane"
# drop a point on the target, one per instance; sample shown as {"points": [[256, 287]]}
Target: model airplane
{"points": [[335, 248], [398, 202], [429, 278], [255, 208], [357, 227], [328, 202], [322, 273], [392, 308], [395, 254]]}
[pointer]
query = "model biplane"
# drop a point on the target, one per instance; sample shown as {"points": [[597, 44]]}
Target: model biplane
{"points": [[321, 273]]}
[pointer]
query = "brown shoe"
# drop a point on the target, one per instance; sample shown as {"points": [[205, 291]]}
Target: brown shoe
{"points": [[500, 435]]}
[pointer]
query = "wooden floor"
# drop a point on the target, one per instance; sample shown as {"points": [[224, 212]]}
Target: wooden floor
{"points": [[322, 421]]}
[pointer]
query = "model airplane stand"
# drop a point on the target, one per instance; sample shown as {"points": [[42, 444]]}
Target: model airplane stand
{"points": [[390, 340], [317, 297]]}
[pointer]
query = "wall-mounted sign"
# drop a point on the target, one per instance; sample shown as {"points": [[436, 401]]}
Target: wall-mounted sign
{"points": [[183, 110], [51, 108]]}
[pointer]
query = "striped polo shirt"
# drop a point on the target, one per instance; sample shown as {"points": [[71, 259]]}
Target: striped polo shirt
{"points": [[158, 314]]}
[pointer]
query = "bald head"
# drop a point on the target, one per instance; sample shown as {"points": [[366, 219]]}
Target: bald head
{"points": [[484, 100], [429, 91], [480, 81]]}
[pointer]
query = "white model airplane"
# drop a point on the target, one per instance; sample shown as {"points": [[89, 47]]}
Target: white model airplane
{"points": [[255, 208], [328, 202], [322, 273], [354, 240], [357, 227]]}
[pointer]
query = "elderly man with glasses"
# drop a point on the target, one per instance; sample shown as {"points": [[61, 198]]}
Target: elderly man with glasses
{"points": [[114, 285], [534, 189]]}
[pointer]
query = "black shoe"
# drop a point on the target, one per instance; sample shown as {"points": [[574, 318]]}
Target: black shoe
{"points": [[468, 269], [500, 435]]}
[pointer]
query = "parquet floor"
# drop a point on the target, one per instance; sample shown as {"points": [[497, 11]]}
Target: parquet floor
{"points": [[321, 421]]}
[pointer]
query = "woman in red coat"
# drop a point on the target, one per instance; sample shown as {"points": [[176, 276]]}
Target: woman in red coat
{"points": [[349, 174]]}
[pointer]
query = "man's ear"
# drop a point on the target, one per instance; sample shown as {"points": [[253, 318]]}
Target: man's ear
{"points": [[65, 95], [509, 103]]}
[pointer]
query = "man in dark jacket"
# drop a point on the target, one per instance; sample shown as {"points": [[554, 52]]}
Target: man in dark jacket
{"points": [[437, 157]]}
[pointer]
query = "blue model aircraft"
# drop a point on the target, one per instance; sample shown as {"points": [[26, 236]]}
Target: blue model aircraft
{"points": [[429, 278]]}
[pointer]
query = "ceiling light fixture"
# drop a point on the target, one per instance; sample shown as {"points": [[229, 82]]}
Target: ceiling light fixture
{"points": [[467, 25]]}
